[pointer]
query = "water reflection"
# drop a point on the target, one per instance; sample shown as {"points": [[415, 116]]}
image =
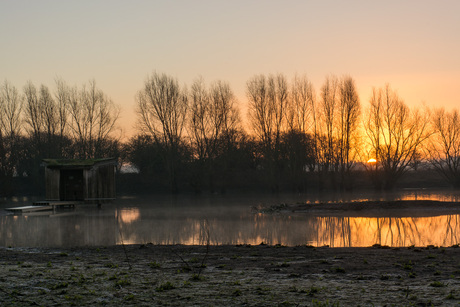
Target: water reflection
{"points": [[223, 221], [129, 215]]}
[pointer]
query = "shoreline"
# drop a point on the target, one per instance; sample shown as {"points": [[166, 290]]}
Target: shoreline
{"points": [[253, 275]]}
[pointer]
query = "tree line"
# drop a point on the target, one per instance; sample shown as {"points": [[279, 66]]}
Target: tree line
{"points": [[37, 123], [193, 138]]}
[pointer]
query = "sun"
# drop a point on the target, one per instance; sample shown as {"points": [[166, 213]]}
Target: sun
{"points": [[372, 160]]}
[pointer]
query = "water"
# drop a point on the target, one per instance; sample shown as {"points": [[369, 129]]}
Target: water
{"points": [[227, 220]]}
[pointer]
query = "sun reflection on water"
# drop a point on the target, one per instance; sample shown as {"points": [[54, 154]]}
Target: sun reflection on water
{"points": [[219, 222], [316, 231], [128, 216], [391, 231]]}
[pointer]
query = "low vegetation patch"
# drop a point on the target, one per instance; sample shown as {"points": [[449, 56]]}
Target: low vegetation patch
{"points": [[165, 286], [279, 277]]}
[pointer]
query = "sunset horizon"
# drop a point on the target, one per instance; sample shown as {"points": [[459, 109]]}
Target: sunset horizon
{"points": [[412, 46]]}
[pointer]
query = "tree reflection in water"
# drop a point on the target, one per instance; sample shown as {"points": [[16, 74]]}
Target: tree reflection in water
{"points": [[220, 220], [136, 227], [391, 231], [298, 230]]}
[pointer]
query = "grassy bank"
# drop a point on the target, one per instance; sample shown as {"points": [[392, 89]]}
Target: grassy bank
{"points": [[230, 275]]}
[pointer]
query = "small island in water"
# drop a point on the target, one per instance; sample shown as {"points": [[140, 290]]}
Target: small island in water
{"points": [[371, 208]]}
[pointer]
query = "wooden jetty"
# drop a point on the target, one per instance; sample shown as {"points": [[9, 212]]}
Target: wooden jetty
{"points": [[44, 205], [25, 209]]}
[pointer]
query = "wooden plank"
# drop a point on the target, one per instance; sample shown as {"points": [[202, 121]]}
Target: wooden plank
{"points": [[57, 202], [30, 208], [44, 205]]}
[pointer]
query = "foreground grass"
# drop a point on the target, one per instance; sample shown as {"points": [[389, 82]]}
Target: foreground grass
{"points": [[230, 275]]}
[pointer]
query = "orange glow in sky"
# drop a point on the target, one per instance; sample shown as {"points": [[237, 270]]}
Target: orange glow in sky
{"points": [[414, 46]]}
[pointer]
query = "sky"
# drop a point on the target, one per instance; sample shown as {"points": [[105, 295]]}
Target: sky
{"points": [[412, 45]]}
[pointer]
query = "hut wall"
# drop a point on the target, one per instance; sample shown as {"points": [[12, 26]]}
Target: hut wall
{"points": [[52, 177], [106, 181], [100, 182]]}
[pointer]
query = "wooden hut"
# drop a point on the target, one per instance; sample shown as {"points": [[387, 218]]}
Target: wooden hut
{"points": [[89, 181]]}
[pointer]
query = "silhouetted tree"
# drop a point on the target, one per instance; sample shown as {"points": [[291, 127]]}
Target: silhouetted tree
{"points": [[92, 122], [10, 110], [162, 108], [328, 116], [349, 111], [296, 134], [145, 155], [394, 133], [267, 112], [10, 129], [301, 106], [62, 98], [45, 121], [61, 135], [33, 113], [443, 147], [213, 115], [298, 156], [200, 126]]}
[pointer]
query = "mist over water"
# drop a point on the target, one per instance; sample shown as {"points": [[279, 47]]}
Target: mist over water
{"points": [[229, 219]]}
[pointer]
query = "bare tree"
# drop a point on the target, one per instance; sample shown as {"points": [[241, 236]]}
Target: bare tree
{"points": [[327, 115], [395, 134], [267, 112], [268, 98], [226, 121], [201, 130], [300, 114], [10, 129], [48, 113], [213, 115], [443, 147], [62, 98], [259, 109], [224, 110], [162, 107], [10, 110], [93, 117], [336, 129], [298, 148], [278, 98], [41, 116], [33, 111], [349, 111]]}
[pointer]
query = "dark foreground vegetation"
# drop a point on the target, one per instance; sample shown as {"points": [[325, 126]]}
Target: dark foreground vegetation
{"points": [[193, 139], [146, 275]]}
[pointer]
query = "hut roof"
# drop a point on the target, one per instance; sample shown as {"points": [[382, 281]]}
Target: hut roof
{"points": [[77, 163]]}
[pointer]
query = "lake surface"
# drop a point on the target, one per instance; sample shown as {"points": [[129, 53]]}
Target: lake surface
{"points": [[226, 220]]}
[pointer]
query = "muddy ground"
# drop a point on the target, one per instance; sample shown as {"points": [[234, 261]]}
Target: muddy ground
{"points": [[230, 275]]}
